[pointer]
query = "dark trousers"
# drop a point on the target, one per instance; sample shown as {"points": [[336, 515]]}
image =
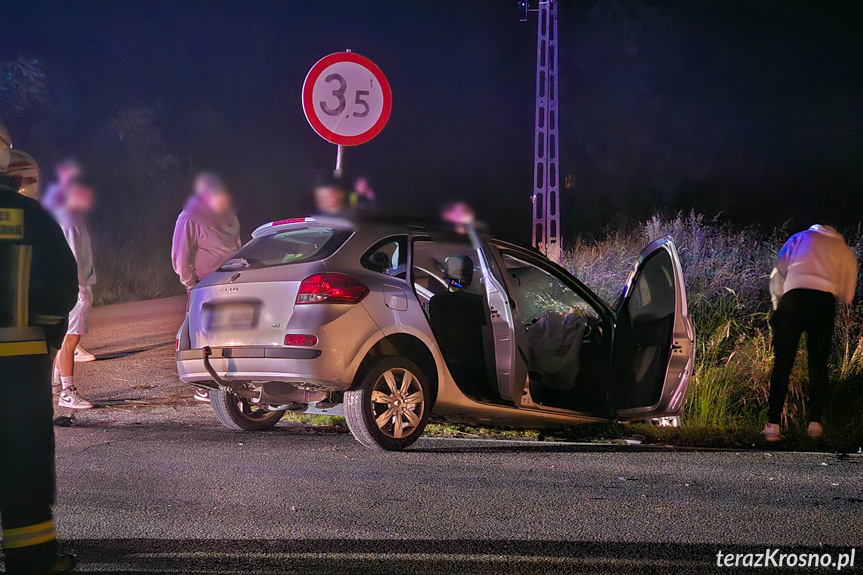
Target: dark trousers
{"points": [[799, 311], [27, 464]]}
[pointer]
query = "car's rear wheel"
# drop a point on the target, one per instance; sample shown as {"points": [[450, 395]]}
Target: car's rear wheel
{"points": [[240, 414], [391, 406]]}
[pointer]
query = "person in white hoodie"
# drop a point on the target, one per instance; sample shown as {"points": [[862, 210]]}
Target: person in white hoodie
{"points": [[814, 269]]}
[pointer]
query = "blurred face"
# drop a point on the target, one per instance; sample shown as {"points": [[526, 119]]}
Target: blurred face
{"points": [[460, 215], [213, 193], [79, 198], [219, 202], [330, 200], [67, 171]]}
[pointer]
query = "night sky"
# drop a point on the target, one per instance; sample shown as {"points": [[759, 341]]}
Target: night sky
{"points": [[749, 108]]}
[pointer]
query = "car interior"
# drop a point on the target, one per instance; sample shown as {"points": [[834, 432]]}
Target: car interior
{"points": [[568, 341], [645, 332], [460, 321]]}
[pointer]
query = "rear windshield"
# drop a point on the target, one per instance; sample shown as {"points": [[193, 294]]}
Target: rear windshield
{"points": [[294, 246]]}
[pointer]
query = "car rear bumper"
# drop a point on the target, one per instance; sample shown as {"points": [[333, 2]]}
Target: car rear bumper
{"points": [[250, 353], [293, 365]]}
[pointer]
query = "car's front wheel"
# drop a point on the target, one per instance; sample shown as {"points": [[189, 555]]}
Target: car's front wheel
{"points": [[391, 406], [240, 414]]}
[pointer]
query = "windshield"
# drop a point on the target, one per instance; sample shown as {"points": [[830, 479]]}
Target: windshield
{"points": [[297, 245]]}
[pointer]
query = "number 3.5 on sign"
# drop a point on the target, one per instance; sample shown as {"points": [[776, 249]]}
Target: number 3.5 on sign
{"points": [[346, 99]]}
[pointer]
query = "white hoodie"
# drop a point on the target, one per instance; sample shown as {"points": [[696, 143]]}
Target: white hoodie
{"points": [[816, 259]]}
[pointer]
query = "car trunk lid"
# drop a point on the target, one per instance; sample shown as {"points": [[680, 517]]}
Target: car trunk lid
{"points": [[246, 308]]}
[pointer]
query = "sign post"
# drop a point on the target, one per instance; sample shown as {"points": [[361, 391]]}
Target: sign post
{"points": [[346, 100]]}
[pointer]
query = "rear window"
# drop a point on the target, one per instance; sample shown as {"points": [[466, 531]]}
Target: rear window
{"points": [[294, 246]]}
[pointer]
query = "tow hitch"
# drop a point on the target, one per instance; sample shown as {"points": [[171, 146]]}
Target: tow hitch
{"points": [[223, 384]]}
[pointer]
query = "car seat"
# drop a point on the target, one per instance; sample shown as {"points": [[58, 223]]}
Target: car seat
{"points": [[457, 319]]}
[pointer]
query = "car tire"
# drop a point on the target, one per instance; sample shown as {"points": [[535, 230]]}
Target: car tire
{"points": [[237, 414], [384, 390]]}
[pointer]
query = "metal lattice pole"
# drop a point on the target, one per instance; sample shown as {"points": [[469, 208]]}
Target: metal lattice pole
{"points": [[546, 172]]}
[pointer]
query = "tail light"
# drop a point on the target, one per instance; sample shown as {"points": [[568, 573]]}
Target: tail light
{"points": [[331, 288]]}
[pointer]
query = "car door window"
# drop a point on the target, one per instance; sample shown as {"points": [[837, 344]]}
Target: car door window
{"points": [[645, 332], [388, 256], [428, 262], [537, 292], [653, 294]]}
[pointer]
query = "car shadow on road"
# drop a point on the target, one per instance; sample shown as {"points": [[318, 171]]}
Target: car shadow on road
{"points": [[503, 446], [403, 556]]}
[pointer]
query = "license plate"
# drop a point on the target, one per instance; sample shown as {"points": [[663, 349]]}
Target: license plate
{"points": [[232, 316]]}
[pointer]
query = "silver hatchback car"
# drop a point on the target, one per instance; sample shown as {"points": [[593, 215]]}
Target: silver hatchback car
{"points": [[398, 320]]}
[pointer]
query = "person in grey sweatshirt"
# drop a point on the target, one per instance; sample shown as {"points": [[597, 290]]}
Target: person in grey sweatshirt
{"points": [[207, 232]]}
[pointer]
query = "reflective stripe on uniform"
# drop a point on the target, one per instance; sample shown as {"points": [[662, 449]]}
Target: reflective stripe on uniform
{"points": [[23, 348], [29, 536]]}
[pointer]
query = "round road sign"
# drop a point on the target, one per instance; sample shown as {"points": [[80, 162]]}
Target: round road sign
{"points": [[347, 99]]}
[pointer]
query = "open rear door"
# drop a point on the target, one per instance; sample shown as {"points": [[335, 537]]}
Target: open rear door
{"points": [[654, 346], [506, 325]]}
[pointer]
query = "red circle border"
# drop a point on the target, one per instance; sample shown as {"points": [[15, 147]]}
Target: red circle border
{"points": [[308, 104]]}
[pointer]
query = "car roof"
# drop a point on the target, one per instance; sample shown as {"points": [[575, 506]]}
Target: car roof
{"points": [[382, 225], [368, 224]]}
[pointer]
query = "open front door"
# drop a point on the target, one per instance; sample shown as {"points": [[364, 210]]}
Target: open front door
{"points": [[654, 346], [506, 325]]}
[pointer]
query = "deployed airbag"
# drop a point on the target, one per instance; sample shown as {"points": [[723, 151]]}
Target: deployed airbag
{"points": [[555, 348]]}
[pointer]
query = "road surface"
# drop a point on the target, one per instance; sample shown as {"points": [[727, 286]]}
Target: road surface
{"points": [[153, 484]]}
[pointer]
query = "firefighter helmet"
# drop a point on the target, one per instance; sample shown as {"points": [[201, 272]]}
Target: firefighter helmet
{"points": [[25, 171]]}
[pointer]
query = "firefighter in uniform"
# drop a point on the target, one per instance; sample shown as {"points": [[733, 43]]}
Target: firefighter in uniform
{"points": [[38, 287]]}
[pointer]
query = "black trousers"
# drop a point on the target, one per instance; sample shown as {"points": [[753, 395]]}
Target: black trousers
{"points": [[799, 311], [27, 464]]}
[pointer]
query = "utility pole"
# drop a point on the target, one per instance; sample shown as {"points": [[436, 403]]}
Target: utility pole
{"points": [[546, 171]]}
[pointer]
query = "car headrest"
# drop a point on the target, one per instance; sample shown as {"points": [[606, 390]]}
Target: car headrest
{"points": [[458, 269]]}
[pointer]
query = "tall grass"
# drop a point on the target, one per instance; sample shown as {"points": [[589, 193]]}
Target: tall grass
{"points": [[727, 272]]}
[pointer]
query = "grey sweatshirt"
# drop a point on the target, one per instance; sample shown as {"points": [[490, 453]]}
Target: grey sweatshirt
{"points": [[203, 241]]}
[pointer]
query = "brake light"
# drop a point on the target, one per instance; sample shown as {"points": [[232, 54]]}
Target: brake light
{"points": [[288, 221], [331, 288], [301, 339]]}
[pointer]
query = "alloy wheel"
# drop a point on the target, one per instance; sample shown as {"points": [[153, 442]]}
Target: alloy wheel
{"points": [[398, 403]]}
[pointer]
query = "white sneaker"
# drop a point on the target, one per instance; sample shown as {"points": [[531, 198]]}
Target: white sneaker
{"points": [[70, 399], [771, 432], [815, 431], [82, 355]]}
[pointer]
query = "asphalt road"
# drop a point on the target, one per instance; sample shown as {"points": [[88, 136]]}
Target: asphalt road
{"points": [[152, 483]]}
